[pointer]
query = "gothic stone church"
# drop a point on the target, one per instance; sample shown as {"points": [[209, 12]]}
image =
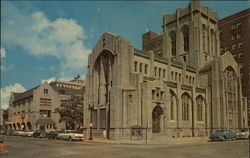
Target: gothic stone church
{"points": [[178, 85]]}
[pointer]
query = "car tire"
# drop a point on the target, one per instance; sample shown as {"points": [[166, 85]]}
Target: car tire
{"points": [[224, 139], [70, 139]]}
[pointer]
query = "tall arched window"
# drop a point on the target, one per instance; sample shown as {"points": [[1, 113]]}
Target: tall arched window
{"points": [[230, 81], [172, 105], [213, 43], [204, 38], [185, 32], [173, 43], [185, 106], [199, 103]]}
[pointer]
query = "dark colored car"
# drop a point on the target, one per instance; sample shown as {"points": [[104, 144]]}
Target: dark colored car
{"points": [[223, 135], [11, 132], [52, 134], [8, 132], [1, 138], [40, 134]]}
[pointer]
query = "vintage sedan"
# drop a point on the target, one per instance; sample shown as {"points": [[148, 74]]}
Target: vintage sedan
{"points": [[53, 134], [40, 134], [28, 133], [72, 135], [243, 134], [222, 135]]}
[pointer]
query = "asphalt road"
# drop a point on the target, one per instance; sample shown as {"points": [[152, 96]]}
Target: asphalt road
{"points": [[21, 147]]}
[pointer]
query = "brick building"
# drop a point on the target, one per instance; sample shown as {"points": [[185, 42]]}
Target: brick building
{"points": [[35, 108], [235, 37]]}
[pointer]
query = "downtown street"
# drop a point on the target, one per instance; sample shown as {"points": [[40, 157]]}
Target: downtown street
{"points": [[23, 147]]}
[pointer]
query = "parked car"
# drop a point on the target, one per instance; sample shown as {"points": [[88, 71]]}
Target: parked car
{"points": [[28, 133], [2, 131], [23, 133], [60, 134], [1, 138], [18, 133], [15, 133], [72, 135], [52, 134], [243, 134], [8, 131], [40, 134], [222, 135]]}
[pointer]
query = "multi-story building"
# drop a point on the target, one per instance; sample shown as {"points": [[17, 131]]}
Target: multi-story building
{"points": [[177, 86], [235, 37], [35, 108], [3, 118]]}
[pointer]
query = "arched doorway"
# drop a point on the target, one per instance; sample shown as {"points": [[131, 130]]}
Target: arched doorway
{"points": [[23, 126], [156, 117], [14, 126], [18, 126], [102, 77], [29, 125]]}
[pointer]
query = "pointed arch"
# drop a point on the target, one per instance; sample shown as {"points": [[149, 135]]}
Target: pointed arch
{"points": [[230, 91], [205, 38], [173, 104], [185, 38], [172, 36], [200, 103], [186, 104], [213, 42], [156, 118]]}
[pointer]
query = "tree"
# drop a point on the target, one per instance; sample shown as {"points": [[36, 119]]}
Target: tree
{"points": [[71, 112]]}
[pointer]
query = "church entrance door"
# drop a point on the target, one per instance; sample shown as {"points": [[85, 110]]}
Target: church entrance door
{"points": [[156, 119]]}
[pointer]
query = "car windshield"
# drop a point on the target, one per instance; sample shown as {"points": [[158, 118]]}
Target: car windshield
{"points": [[219, 131], [244, 130], [71, 131]]}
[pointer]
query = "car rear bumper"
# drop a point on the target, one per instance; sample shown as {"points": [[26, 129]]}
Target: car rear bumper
{"points": [[79, 139], [216, 138]]}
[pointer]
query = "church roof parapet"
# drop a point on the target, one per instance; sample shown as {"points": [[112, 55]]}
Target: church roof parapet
{"points": [[141, 53]]}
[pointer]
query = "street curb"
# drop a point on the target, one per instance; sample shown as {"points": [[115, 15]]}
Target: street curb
{"points": [[149, 143]]}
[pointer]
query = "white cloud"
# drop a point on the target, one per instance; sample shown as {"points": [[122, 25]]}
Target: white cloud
{"points": [[61, 38], [66, 78], [2, 68], [6, 68], [2, 52], [6, 91], [48, 80]]}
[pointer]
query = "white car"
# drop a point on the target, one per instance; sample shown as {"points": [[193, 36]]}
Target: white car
{"points": [[19, 133], [72, 135], [28, 133], [243, 134]]}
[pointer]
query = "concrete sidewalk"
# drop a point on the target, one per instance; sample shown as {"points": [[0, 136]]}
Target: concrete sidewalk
{"points": [[157, 141], [2, 148]]}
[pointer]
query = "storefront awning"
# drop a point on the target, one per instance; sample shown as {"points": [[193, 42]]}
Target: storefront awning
{"points": [[45, 121], [9, 123]]}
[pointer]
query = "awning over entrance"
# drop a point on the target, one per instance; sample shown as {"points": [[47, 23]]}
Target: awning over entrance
{"points": [[9, 122], [45, 121]]}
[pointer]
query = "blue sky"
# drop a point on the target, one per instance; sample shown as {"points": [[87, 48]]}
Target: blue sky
{"points": [[51, 39]]}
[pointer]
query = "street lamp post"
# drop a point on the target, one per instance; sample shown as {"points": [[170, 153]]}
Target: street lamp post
{"points": [[91, 108]]}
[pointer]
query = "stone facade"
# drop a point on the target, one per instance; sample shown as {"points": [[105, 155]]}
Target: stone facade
{"points": [[178, 87], [35, 108], [234, 37]]}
